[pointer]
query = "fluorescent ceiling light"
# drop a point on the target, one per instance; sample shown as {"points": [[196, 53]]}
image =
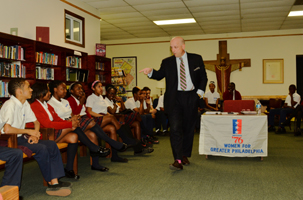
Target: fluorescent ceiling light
{"points": [[175, 21], [295, 13]]}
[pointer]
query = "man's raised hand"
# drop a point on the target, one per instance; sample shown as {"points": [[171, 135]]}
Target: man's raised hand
{"points": [[146, 70]]}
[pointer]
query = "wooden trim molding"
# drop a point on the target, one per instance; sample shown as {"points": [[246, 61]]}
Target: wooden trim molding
{"points": [[265, 97], [73, 5]]}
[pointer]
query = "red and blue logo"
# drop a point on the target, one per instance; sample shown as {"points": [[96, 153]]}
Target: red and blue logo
{"points": [[237, 126]]}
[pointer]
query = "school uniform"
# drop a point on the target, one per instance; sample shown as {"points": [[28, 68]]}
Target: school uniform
{"points": [[283, 112], [147, 123], [128, 118], [161, 118], [46, 152], [48, 118]]}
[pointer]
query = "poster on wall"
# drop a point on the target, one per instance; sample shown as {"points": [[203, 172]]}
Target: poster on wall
{"points": [[129, 66], [101, 50]]}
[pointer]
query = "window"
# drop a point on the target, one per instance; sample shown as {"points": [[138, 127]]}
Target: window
{"points": [[74, 29]]}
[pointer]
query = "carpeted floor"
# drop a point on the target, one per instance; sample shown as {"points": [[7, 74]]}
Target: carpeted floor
{"points": [[279, 176]]}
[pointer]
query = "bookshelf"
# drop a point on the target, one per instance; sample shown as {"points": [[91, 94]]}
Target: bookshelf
{"points": [[100, 69], [37, 62], [118, 80]]}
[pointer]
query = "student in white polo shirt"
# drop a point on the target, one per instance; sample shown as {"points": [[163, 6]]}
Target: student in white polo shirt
{"points": [[212, 98], [16, 112], [136, 103]]}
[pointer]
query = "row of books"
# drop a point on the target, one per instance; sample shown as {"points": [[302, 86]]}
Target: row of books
{"points": [[14, 70], [44, 73], [73, 61], [118, 81], [100, 77], [46, 58], [4, 89], [76, 75], [100, 66], [15, 52]]}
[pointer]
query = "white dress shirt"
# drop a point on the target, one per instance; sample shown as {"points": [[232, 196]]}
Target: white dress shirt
{"points": [[97, 103], [62, 107], [16, 114]]}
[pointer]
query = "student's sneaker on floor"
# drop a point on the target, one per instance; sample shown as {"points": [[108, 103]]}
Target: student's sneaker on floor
{"points": [[281, 130], [58, 190], [152, 140], [145, 143], [144, 151]]}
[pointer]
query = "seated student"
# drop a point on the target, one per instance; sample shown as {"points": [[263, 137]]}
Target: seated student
{"points": [[231, 93], [67, 131], [212, 98], [115, 105], [149, 101], [16, 112], [136, 103], [87, 125], [13, 165], [97, 107], [161, 117], [291, 102]]}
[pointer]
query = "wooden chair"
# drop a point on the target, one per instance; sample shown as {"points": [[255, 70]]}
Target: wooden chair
{"points": [[9, 192], [238, 105]]}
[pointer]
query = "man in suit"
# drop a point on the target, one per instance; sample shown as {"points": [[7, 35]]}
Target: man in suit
{"points": [[186, 80]]}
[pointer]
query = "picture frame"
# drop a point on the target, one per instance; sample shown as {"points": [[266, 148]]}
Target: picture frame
{"points": [[129, 67], [273, 71]]}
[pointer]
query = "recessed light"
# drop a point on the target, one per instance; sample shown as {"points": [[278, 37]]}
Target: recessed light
{"points": [[175, 21], [295, 13]]}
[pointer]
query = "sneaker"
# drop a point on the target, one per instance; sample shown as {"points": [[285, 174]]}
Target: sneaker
{"points": [[151, 140], [57, 190], [144, 151]]}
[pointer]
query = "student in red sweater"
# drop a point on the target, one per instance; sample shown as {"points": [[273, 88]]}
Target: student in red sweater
{"points": [[100, 116], [67, 131], [231, 93]]}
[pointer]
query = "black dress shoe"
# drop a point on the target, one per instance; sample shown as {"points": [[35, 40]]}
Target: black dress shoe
{"points": [[185, 161], [71, 174], [102, 152], [123, 148], [281, 130], [104, 169], [176, 166]]}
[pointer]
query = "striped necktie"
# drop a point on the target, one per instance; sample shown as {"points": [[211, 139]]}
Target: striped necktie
{"points": [[182, 75]]}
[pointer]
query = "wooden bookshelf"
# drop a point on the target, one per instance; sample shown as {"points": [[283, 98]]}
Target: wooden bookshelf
{"points": [[43, 62]]}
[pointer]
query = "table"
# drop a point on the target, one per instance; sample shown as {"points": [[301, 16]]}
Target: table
{"points": [[234, 135]]}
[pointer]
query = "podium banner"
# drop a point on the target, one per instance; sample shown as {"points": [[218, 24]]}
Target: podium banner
{"points": [[234, 135]]}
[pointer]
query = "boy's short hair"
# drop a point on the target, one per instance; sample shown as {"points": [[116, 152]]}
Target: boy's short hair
{"points": [[135, 90], [146, 89], [293, 86], [14, 84]]}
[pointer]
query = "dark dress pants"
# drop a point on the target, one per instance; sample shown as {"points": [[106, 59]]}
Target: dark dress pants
{"points": [[13, 166], [147, 125], [48, 157], [182, 121], [161, 120], [283, 112]]}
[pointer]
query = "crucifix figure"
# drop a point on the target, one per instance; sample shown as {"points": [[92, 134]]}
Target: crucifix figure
{"points": [[223, 66]]}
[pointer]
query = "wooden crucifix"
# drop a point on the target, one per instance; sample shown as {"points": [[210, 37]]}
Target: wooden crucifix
{"points": [[223, 66]]}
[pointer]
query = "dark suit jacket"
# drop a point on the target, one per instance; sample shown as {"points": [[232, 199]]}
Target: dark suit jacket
{"points": [[169, 70]]}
